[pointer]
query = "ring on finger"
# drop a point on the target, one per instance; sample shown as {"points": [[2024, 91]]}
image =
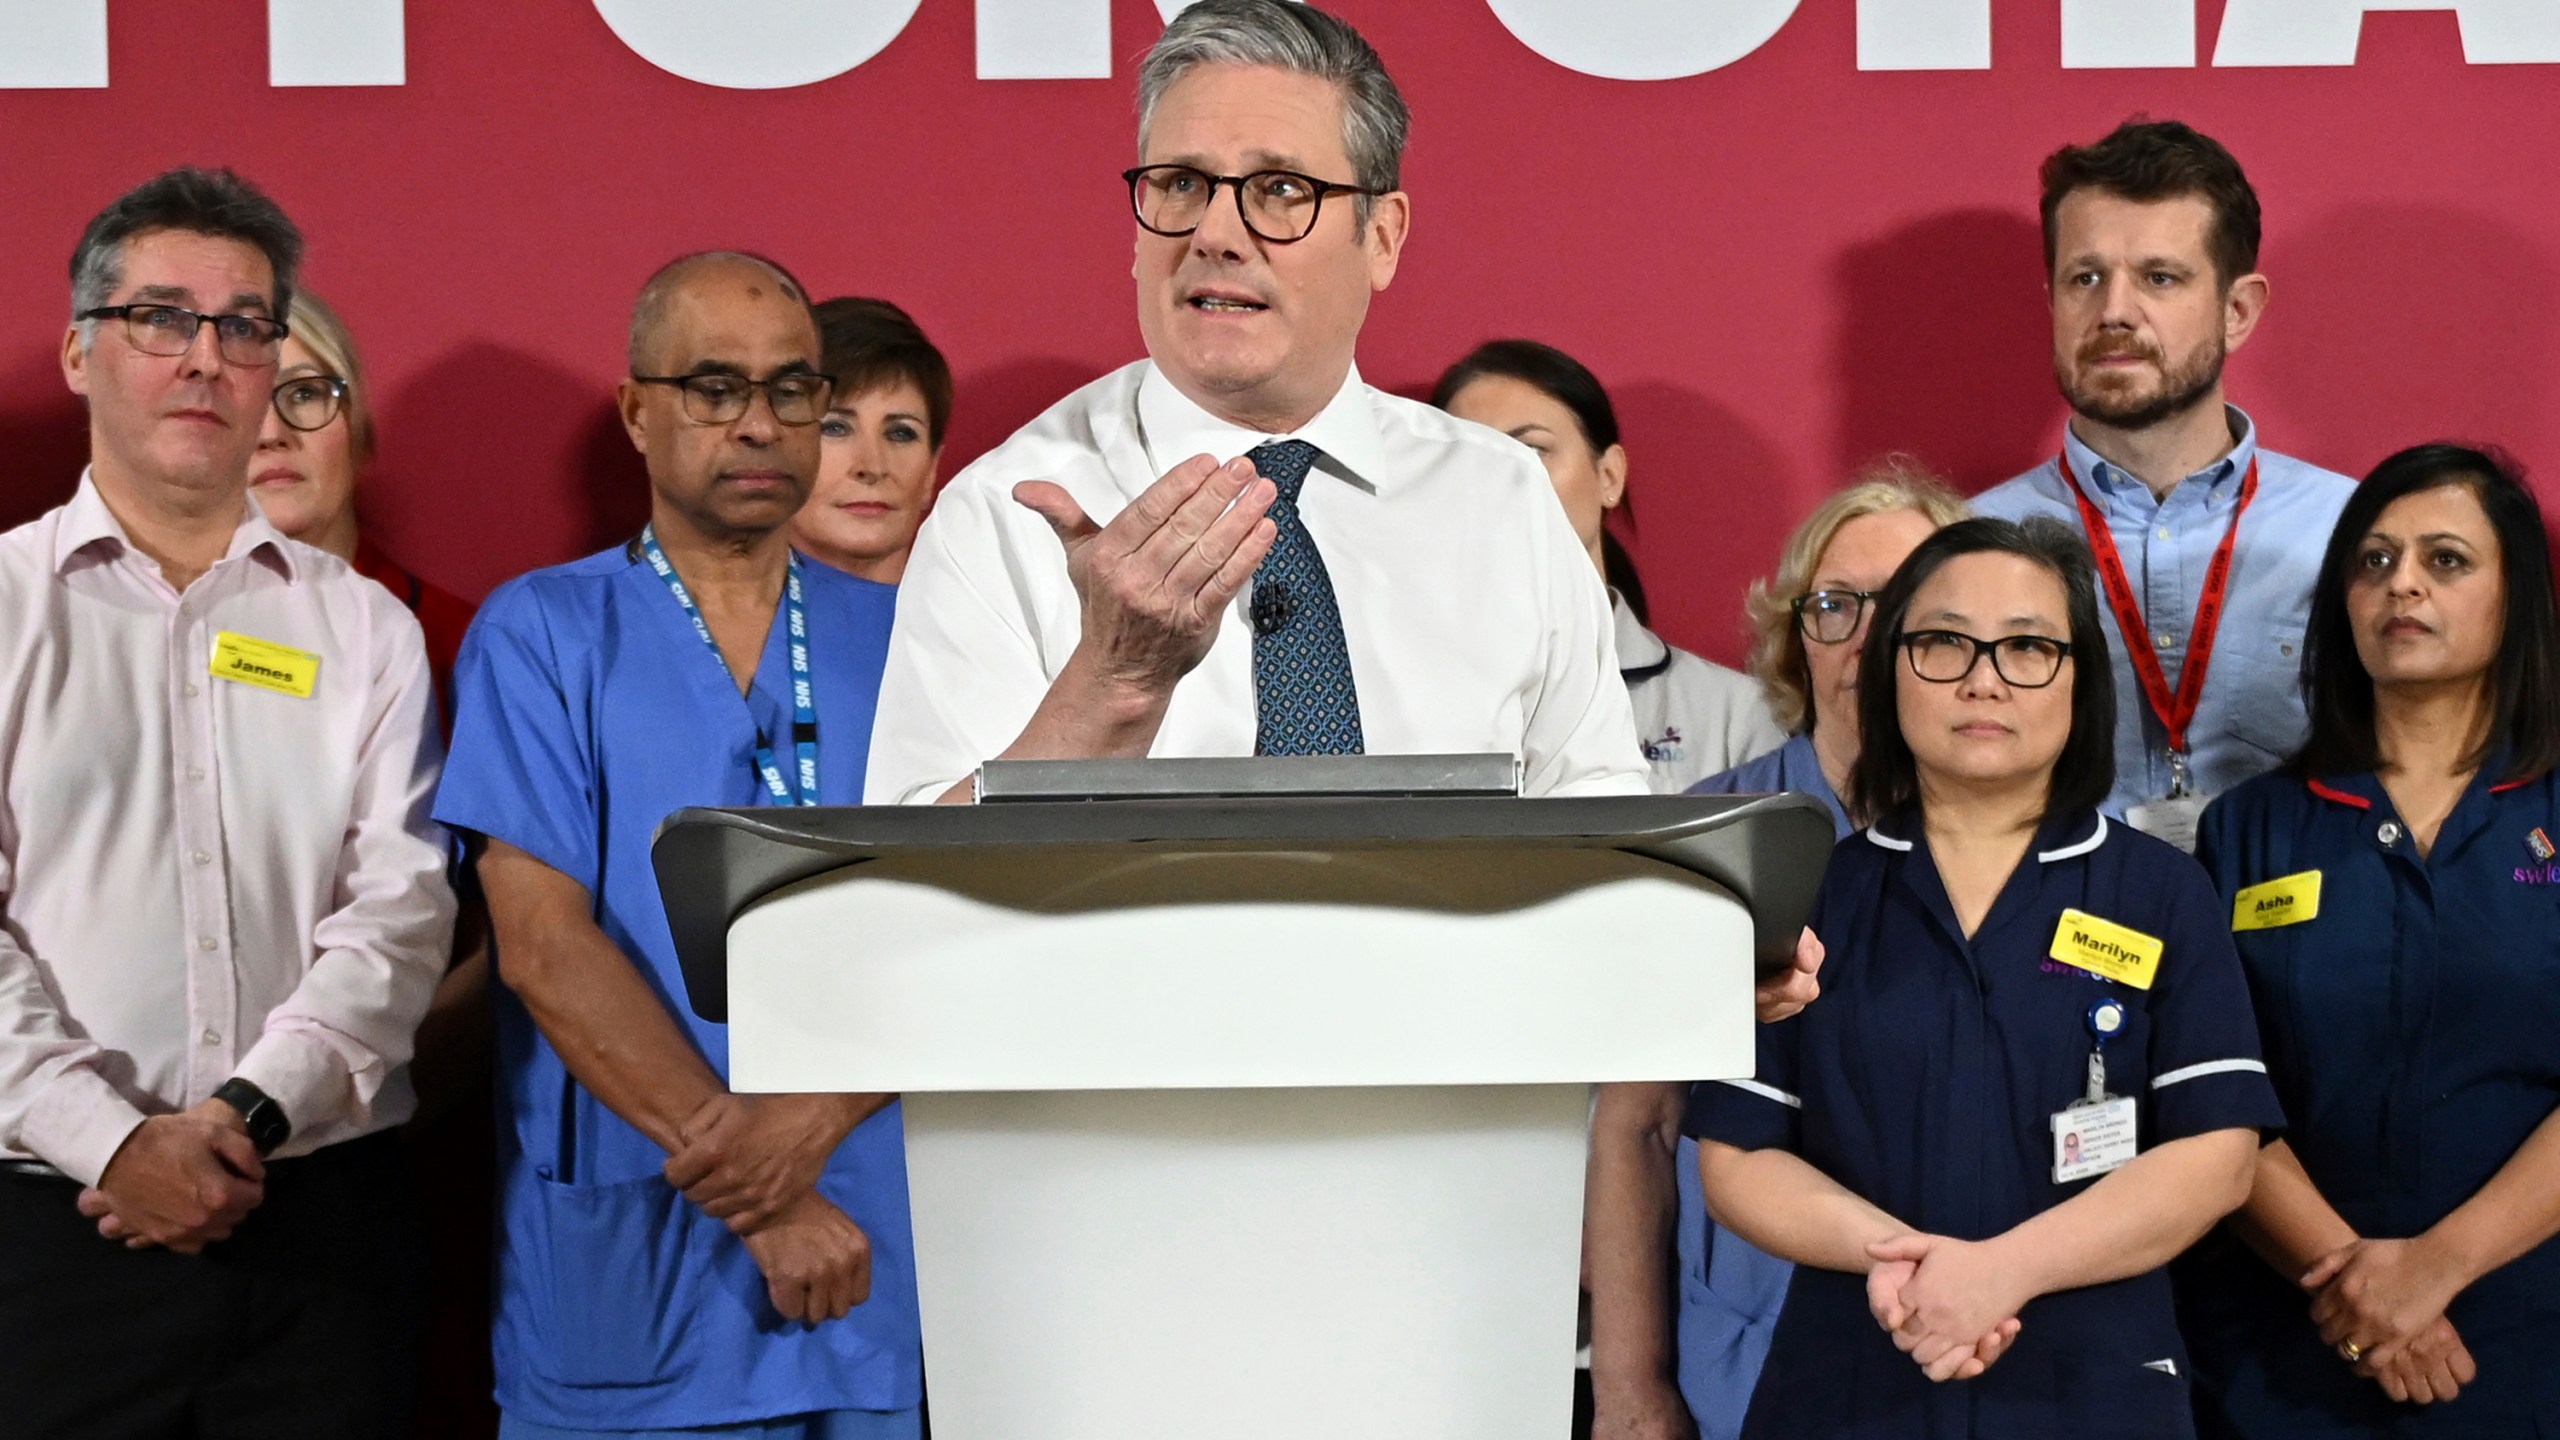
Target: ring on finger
{"points": [[2350, 1349]]}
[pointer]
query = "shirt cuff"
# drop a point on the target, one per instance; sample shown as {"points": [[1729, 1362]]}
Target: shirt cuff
{"points": [[78, 1122], [307, 1079], [2212, 1095], [1745, 1114]]}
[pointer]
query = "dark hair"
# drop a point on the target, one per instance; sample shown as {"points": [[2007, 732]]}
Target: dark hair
{"points": [[1618, 572], [200, 202], [1886, 777], [872, 342], [2145, 160], [1550, 369], [2524, 706]]}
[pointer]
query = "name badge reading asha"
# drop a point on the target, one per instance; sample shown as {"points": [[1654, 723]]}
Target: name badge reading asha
{"points": [[247, 660], [2106, 949], [2285, 900]]}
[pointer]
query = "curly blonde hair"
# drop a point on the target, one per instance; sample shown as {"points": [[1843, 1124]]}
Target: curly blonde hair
{"points": [[1896, 482]]}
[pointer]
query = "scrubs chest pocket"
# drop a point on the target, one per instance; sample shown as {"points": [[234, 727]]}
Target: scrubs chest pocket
{"points": [[630, 1269]]}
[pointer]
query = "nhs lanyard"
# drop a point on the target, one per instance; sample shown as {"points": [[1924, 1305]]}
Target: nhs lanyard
{"points": [[804, 712]]}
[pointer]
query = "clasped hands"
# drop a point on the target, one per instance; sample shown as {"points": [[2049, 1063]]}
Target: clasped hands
{"points": [[180, 1181], [2384, 1301], [1951, 1305], [752, 1162]]}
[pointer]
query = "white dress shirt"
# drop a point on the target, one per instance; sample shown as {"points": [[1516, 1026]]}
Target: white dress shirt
{"points": [[200, 878], [1473, 618], [1694, 717]]}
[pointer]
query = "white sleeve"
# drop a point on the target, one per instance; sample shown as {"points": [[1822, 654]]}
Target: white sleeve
{"points": [[1581, 737], [966, 668]]}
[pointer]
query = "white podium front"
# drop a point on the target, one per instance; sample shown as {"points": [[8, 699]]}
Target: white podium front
{"points": [[1242, 1118]]}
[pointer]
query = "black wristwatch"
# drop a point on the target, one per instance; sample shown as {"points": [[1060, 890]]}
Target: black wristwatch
{"points": [[268, 1127]]}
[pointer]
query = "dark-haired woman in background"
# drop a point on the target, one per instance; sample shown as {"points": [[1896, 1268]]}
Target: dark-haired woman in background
{"points": [[2398, 910], [880, 444], [2032, 1077], [1694, 717]]}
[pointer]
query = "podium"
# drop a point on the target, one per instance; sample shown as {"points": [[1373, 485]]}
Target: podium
{"points": [[1239, 1117]]}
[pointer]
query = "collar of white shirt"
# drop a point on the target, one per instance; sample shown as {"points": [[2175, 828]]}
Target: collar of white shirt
{"points": [[87, 520], [1346, 430]]}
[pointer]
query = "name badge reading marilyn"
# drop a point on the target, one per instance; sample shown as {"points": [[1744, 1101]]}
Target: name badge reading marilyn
{"points": [[2106, 949], [247, 660], [2285, 900]]}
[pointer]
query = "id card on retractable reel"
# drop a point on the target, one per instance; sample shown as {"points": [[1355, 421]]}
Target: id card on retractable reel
{"points": [[2095, 1134]]}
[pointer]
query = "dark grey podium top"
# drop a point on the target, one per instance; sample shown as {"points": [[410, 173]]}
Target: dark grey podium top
{"points": [[1769, 850]]}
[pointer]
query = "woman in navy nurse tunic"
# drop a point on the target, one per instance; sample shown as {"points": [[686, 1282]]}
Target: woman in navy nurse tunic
{"points": [[1978, 1213], [2398, 911]]}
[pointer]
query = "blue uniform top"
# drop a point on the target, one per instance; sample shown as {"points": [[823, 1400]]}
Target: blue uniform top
{"points": [[1924, 1080], [589, 709], [1730, 1289], [2251, 715], [2413, 1031]]}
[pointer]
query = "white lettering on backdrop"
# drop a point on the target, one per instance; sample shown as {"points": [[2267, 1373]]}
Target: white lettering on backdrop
{"points": [[770, 44]]}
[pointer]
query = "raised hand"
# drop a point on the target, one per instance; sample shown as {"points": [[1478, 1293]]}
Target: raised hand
{"points": [[1155, 581]]}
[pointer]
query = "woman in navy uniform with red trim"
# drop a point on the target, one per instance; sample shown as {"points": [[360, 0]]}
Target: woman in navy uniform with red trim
{"points": [[2032, 1077], [2398, 911]]}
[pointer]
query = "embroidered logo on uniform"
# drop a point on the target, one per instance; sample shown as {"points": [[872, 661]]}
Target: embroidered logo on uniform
{"points": [[2538, 874], [2540, 844], [1666, 748]]}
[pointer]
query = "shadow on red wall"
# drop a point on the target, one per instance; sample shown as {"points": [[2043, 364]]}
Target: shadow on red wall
{"points": [[1942, 348], [2400, 324], [1702, 481], [44, 432]]}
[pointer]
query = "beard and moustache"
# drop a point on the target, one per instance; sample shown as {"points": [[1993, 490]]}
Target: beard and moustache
{"points": [[2126, 408]]}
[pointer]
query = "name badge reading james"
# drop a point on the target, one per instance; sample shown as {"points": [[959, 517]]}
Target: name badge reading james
{"points": [[2285, 900], [2106, 949], [247, 660]]}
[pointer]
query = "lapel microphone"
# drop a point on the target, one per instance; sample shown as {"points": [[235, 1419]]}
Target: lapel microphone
{"points": [[1270, 609]]}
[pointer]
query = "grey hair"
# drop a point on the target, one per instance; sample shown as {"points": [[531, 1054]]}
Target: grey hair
{"points": [[649, 312], [1298, 38], [201, 202]]}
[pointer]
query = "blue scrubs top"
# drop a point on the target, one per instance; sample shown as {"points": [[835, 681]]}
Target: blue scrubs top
{"points": [[1730, 1289], [1924, 1080], [590, 709], [2413, 1030]]}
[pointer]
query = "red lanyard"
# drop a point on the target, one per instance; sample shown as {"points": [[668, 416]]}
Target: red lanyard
{"points": [[2177, 711]]}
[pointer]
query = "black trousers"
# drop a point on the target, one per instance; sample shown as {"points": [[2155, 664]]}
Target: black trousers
{"points": [[302, 1326]]}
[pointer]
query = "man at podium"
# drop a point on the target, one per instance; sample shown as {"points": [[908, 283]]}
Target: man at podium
{"points": [[1236, 546]]}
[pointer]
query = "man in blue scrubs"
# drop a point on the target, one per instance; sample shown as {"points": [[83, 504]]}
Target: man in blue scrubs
{"points": [[677, 1258]]}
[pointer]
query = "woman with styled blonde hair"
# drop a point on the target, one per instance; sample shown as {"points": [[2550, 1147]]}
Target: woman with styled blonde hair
{"points": [[1808, 623]]}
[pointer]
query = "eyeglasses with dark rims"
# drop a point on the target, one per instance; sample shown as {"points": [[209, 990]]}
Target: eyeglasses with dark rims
{"points": [[1943, 657], [170, 330], [796, 397], [1279, 206], [1829, 617], [310, 402]]}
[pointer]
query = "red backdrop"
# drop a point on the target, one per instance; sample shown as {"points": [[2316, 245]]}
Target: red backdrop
{"points": [[1781, 267]]}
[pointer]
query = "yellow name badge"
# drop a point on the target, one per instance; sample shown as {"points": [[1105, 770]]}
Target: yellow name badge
{"points": [[2285, 900], [2106, 949], [265, 664]]}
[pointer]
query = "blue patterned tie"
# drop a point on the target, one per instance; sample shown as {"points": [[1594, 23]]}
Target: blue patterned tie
{"points": [[1303, 697]]}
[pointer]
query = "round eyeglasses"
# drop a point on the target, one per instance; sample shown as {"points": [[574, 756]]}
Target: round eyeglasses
{"points": [[169, 330], [1279, 206], [310, 402], [1943, 657], [1829, 617], [796, 397]]}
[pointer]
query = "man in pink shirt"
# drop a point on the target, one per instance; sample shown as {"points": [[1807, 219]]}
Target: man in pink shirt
{"points": [[223, 908]]}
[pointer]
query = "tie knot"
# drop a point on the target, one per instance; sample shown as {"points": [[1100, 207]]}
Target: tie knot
{"points": [[1284, 463]]}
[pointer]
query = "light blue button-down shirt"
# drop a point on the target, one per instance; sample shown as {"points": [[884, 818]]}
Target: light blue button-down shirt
{"points": [[2251, 716]]}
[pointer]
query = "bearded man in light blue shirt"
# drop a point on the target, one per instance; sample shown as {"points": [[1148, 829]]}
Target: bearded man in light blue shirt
{"points": [[2151, 250]]}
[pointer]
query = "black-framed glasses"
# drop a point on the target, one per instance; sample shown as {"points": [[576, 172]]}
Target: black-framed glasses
{"points": [[171, 330], [1830, 617], [796, 397], [310, 402], [1943, 657], [1279, 206]]}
